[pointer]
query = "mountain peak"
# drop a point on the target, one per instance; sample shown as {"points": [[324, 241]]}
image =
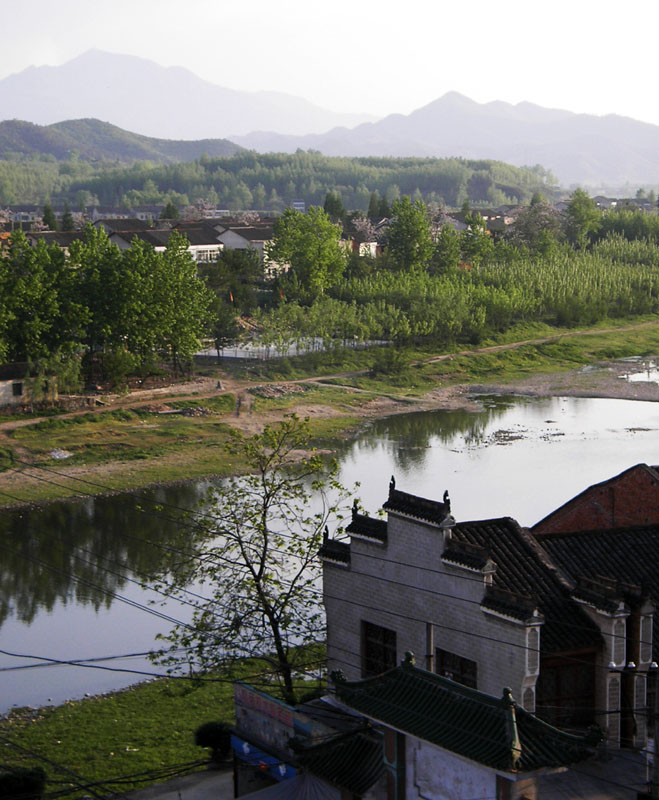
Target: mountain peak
{"points": [[457, 99]]}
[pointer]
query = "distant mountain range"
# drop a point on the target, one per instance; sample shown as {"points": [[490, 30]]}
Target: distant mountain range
{"points": [[577, 148], [94, 140], [172, 103], [166, 102]]}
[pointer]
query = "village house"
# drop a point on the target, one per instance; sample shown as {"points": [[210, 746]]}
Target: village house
{"points": [[203, 244], [489, 604], [17, 388], [407, 734]]}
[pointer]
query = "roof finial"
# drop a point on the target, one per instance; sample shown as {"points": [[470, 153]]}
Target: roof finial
{"points": [[392, 483], [326, 535], [511, 728], [355, 507], [447, 501]]}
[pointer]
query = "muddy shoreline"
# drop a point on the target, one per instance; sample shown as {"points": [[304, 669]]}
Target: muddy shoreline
{"points": [[600, 380]]}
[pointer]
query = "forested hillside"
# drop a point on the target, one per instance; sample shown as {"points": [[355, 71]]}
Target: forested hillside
{"points": [[270, 181], [94, 140]]}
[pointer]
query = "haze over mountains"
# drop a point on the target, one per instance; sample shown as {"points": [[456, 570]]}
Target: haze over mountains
{"points": [[577, 148], [170, 103], [164, 102]]}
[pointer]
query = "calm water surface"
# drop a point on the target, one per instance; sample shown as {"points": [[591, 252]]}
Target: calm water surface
{"points": [[69, 585]]}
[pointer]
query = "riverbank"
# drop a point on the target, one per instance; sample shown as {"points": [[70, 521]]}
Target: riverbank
{"points": [[176, 433], [128, 739]]}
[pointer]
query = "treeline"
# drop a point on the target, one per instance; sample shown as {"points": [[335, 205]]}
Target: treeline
{"points": [[444, 286], [109, 312], [271, 181]]}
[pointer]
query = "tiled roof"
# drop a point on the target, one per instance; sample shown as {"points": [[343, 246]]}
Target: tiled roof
{"points": [[125, 224], [463, 720], [523, 569], [351, 761], [630, 555], [204, 235], [419, 507], [60, 238], [466, 554], [369, 527], [508, 603], [252, 233], [334, 550]]}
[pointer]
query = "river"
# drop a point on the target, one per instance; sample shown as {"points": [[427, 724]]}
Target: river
{"points": [[68, 585]]}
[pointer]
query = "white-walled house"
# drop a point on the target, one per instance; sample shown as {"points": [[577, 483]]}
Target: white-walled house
{"points": [[484, 603]]}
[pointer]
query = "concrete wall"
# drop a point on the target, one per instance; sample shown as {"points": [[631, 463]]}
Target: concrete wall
{"points": [[7, 396]]}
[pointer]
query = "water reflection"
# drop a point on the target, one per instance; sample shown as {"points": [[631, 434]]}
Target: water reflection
{"points": [[408, 437], [60, 566], [85, 552]]}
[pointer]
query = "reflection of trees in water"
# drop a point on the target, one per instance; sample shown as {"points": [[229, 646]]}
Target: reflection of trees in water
{"points": [[408, 436], [83, 551]]}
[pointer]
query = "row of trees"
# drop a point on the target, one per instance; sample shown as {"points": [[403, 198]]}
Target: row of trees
{"points": [[121, 310]]}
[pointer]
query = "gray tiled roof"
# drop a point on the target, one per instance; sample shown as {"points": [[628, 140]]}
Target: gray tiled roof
{"points": [[463, 720]]}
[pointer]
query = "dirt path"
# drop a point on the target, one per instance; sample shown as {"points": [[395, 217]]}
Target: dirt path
{"points": [[208, 387], [605, 380]]}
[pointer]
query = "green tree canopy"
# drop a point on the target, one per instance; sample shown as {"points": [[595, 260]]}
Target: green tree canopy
{"points": [[48, 217], [583, 219], [409, 241], [310, 244]]}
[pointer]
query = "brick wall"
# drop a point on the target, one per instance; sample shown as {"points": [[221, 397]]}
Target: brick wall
{"points": [[631, 498]]}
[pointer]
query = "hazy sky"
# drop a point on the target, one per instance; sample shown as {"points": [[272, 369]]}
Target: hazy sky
{"points": [[594, 56]]}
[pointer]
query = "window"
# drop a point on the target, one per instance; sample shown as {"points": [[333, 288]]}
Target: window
{"points": [[565, 691], [378, 649], [17, 389], [459, 669]]}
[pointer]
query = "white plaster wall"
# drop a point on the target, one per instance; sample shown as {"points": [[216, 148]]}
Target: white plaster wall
{"points": [[436, 774], [387, 590]]}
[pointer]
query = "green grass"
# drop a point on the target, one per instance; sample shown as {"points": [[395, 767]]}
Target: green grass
{"points": [[145, 728]]}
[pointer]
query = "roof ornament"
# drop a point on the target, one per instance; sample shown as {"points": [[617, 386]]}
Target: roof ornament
{"points": [[514, 743], [326, 535], [392, 483], [447, 500], [355, 507], [409, 659]]}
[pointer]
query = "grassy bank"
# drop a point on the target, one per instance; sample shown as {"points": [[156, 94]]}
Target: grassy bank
{"points": [[129, 448], [128, 739]]}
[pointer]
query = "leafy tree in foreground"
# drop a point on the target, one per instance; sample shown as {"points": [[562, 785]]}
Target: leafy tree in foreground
{"points": [[258, 565]]}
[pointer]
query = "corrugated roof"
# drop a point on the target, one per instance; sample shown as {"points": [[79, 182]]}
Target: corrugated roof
{"points": [[463, 720]]}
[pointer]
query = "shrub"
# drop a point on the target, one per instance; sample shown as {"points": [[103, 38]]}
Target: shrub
{"points": [[216, 736], [22, 783]]}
